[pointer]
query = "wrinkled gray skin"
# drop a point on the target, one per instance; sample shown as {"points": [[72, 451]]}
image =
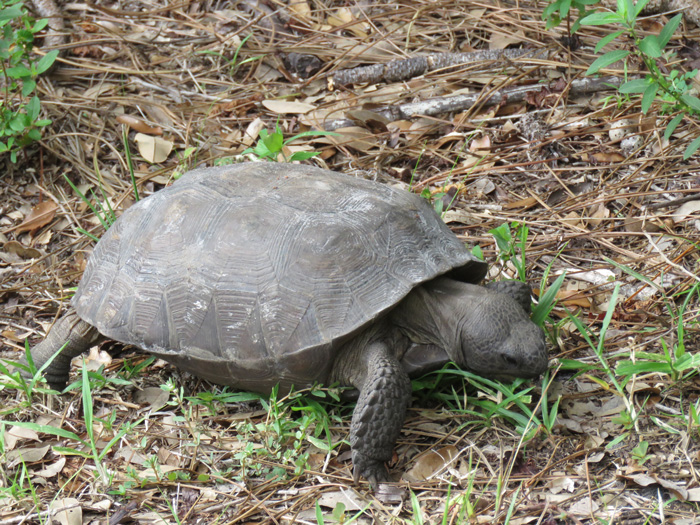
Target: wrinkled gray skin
{"points": [[322, 278]]}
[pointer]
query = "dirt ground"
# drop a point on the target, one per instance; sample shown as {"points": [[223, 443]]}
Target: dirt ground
{"points": [[609, 435]]}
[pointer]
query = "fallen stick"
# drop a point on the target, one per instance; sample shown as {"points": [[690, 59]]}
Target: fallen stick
{"points": [[442, 105], [398, 70]]}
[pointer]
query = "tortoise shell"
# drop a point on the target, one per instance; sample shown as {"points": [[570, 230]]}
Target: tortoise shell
{"points": [[255, 274]]}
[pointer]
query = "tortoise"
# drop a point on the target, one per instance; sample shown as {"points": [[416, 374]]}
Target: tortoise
{"points": [[258, 274]]}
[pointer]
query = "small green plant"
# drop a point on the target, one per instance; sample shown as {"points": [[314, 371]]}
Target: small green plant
{"points": [[549, 411], [24, 376], [130, 371], [669, 86], [186, 159], [105, 214], [278, 444], [89, 447], [417, 510], [693, 422], [511, 239], [560, 10], [677, 362], [270, 145], [20, 124], [338, 514], [233, 64], [639, 453], [511, 402]]}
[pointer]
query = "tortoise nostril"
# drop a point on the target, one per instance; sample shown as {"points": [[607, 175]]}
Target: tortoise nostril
{"points": [[510, 360]]}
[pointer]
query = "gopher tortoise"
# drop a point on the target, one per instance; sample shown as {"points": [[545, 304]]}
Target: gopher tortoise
{"points": [[259, 274]]}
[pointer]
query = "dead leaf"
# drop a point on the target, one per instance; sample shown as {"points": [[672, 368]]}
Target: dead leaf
{"points": [[26, 455], [596, 457], [561, 483], [153, 396], [389, 493], [369, 119], [96, 358], [596, 277], [605, 157], [686, 209], [502, 39], [130, 455], [72, 513], [288, 106], [428, 465], [252, 132], [300, 8], [644, 480], [153, 149], [41, 214], [694, 494], [612, 407], [139, 125], [584, 507], [343, 18], [53, 469], [570, 424], [353, 137], [641, 224], [44, 238], [458, 216], [348, 497], [11, 335], [597, 215], [14, 434], [21, 250], [481, 145], [525, 204], [482, 186]]}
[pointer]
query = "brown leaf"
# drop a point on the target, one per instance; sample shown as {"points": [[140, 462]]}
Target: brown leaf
{"points": [[605, 157], [21, 250], [431, 463], [26, 455], [525, 204], [52, 469], [597, 214], [139, 125], [153, 396], [153, 149], [11, 335], [636, 224], [348, 497], [69, 511], [287, 106], [41, 214]]}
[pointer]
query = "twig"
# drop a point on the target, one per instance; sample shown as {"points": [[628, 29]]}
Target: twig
{"points": [[439, 106], [669, 261], [674, 202], [398, 70]]}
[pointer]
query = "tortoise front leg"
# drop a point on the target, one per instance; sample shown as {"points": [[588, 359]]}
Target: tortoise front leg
{"points": [[78, 337], [385, 392]]}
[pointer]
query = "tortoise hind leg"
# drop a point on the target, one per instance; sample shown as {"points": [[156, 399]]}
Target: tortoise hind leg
{"points": [[77, 335]]}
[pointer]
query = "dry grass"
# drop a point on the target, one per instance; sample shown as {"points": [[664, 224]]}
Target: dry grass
{"points": [[551, 163]]}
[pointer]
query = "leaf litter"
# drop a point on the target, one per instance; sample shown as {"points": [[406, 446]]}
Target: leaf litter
{"points": [[606, 200]]}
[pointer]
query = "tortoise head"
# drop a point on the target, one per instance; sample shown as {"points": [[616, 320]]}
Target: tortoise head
{"points": [[497, 339]]}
